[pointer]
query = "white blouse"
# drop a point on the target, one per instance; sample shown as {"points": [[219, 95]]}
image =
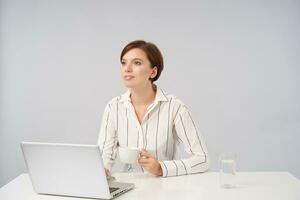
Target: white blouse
{"points": [[166, 124]]}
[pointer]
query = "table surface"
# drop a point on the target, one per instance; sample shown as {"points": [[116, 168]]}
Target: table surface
{"points": [[250, 185]]}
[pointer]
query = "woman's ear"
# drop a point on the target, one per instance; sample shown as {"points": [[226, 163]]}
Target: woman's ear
{"points": [[154, 72]]}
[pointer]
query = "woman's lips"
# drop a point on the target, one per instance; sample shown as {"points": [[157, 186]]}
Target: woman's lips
{"points": [[128, 77]]}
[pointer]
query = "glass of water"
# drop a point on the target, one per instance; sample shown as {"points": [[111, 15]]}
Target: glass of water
{"points": [[127, 168], [227, 170]]}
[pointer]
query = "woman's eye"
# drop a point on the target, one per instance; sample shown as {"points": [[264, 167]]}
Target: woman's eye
{"points": [[137, 63], [123, 63]]}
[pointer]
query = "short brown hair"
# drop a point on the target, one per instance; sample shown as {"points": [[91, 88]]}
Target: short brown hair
{"points": [[153, 54]]}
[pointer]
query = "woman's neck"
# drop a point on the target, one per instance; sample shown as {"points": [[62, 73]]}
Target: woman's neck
{"points": [[143, 95]]}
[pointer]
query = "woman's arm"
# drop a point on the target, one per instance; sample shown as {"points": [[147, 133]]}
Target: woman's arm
{"points": [[188, 134], [107, 139]]}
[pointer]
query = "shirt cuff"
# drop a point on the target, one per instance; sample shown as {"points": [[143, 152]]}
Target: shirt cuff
{"points": [[172, 168]]}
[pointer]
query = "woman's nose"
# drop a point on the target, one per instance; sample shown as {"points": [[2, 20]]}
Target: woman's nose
{"points": [[128, 68]]}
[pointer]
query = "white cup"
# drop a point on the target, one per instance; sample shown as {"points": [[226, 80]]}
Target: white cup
{"points": [[128, 155]]}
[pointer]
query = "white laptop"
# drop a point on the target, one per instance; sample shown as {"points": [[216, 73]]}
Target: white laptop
{"points": [[69, 170]]}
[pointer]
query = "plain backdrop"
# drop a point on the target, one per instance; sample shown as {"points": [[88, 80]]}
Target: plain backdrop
{"points": [[235, 64]]}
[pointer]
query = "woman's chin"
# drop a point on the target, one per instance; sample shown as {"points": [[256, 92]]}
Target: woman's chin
{"points": [[129, 84]]}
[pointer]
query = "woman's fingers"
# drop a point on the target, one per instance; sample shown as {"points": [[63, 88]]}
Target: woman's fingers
{"points": [[144, 153], [106, 172], [144, 165], [144, 160]]}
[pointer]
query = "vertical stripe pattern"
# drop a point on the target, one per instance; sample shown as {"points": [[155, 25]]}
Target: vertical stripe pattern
{"points": [[157, 125], [167, 122]]}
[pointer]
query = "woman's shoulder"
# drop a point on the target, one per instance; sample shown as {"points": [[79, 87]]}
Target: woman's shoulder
{"points": [[176, 103], [174, 99], [114, 101]]}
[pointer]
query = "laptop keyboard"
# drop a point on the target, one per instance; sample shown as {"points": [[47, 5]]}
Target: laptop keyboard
{"points": [[112, 189]]}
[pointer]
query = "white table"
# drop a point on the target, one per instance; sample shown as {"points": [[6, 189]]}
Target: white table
{"points": [[251, 185]]}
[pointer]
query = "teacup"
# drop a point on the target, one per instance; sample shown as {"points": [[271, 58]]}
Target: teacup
{"points": [[129, 155]]}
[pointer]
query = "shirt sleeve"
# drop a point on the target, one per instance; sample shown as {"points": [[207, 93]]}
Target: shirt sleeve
{"points": [[188, 134], [107, 140]]}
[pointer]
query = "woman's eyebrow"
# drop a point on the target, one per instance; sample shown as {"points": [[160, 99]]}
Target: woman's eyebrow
{"points": [[137, 59], [132, 59]]}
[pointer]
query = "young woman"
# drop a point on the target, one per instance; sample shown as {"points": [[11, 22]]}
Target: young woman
{"points": [[147, 118]]}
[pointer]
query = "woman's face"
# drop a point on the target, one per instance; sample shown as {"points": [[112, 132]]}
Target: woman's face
{"points": [[136, 69]]}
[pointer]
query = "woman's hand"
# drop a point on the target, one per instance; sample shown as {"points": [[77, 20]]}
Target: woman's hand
{"points": [[109, 178], [107, 172], [150, 163]]}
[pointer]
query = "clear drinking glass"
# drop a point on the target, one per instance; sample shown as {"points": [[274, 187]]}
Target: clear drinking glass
{"points": [[127, 168], [227, 170]]}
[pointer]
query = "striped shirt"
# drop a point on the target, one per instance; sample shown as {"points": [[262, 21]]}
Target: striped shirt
{"points": [[166, 124]]}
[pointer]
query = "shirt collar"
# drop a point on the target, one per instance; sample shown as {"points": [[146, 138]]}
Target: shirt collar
{"points": [[160, 96]]}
